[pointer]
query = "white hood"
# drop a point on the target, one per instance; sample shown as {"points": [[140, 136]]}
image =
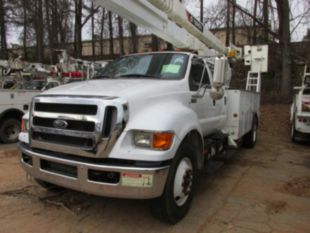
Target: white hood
{"points": [[123, 88]]}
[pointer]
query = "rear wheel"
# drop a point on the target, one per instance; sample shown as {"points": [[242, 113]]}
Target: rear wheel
{"points": [[249, 140], [9, 130], [176, 200]]}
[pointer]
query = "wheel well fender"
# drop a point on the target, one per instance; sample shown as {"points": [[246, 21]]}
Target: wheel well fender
{"points": [[195, 140], [12, 113]]}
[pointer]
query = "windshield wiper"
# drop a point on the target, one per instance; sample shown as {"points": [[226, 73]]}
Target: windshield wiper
{"points": [[138, 76], [103, 77]]}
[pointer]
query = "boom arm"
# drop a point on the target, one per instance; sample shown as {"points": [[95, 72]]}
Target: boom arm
{"points": [[169, 20]]}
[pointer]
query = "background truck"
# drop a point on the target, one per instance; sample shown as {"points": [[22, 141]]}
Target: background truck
{"points": [[13, 105], [300, 110], [151, 124]]}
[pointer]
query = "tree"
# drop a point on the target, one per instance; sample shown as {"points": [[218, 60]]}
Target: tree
{"points": [[93, 43], [155, 43], [134, 39], [25, 25], [3, 40], [283, 9], [39, 30], [266, 20], [102, 21], [121, 35], [78, 28], [111, 33]]}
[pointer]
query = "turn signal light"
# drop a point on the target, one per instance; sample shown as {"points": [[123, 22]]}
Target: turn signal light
{"points": [[162, 141]]}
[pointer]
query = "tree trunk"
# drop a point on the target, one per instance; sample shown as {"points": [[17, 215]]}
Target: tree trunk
{"points": [[254, 23], [49, 30], [54, 27], [228, 24], [155, 43], [121, 35], [39, 31], [233, 23], [3, 44], [133, 32], [25, 24], [285, 39], [102, 32], [111, 33], [266, 20], [78, 28], [93, 31]]}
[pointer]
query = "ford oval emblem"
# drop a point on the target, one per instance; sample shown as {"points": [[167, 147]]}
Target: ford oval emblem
{"points": [[60, 124]]}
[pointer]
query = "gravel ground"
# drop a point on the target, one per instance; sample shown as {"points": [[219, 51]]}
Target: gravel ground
{"points": [[265, 189]]}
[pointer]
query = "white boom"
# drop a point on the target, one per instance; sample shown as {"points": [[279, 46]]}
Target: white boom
{"points": [[169, 20]]}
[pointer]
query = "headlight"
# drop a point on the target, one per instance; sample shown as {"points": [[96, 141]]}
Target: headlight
{"points": [[25, 125], [153, 140]]}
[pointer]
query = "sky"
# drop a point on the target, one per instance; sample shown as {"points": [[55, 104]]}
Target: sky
{"points": [[193, 7]]}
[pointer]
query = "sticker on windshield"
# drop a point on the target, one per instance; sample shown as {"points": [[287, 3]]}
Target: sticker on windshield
{"points": [[173, 69]]}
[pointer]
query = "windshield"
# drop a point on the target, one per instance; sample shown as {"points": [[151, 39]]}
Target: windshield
{"points": [[155, 65]]}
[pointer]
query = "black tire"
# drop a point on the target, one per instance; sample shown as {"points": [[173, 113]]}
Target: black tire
{"points": [[169, 208], [293, 131], [249, 140], [9, 130], [48, 186]]}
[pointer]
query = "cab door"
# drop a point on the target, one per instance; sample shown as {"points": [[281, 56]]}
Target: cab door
{"points": [[206, 109]]}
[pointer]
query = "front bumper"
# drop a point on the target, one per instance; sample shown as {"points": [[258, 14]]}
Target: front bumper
{"points": [[128, 182]]}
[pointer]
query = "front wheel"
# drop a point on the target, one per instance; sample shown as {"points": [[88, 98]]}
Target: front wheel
{"points": [[176, 200], [9, 130]]}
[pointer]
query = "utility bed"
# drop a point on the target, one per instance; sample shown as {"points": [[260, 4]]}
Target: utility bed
{"points": [[242, 108], [16, 98]]}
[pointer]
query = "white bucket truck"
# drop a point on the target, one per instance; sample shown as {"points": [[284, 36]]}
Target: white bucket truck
{"points": [[148, 128]]}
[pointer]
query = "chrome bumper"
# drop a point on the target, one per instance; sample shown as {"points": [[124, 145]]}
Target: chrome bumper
{"points": [[134, 182]]}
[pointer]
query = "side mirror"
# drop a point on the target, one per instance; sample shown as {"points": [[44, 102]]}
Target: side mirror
{"points": [[217, 91]]}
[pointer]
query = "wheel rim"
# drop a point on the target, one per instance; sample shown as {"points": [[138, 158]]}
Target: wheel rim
{"points": [[11, 132], [183, 181]]}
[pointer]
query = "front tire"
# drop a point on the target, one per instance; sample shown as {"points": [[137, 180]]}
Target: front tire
{"points": [[177, 197], [9, 130]]}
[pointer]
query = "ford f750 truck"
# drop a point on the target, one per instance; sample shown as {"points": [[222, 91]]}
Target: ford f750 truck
{"points": [[151, 123], [144, 131]]}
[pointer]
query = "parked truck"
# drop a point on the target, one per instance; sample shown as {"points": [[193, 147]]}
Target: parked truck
{"points": [[150, 124], [13, 105], [300, 110]]}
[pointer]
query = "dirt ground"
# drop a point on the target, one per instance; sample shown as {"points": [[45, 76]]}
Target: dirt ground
{"points": [[262, 190]]}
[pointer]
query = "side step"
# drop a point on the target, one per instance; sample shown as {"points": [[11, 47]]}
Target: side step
{"points": [[218, 148]]}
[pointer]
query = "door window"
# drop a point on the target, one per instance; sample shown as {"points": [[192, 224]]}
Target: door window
{"points": [[198, 72]]}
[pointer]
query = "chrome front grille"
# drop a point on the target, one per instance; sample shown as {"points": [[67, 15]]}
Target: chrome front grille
{"points": [[89, 109], [78, 125], [75, 125]]}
